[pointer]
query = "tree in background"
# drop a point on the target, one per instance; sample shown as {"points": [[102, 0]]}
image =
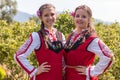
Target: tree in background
{"points": [[2, 73], [14, 34], [35, 18], [7, 10], [64, 22]]}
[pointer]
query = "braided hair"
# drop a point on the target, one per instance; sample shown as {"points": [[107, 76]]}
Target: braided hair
{"points": [[39, 14]]}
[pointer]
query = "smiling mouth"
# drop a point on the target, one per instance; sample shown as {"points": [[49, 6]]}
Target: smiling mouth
{"points": [[50, 22], [79, 22]]}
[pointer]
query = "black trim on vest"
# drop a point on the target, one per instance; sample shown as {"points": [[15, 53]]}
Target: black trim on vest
{"points": [[55, 46], [77, 43]]}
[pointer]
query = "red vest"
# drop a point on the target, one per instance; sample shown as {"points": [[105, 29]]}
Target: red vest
{"points": [[79, 56], [53, 59]]}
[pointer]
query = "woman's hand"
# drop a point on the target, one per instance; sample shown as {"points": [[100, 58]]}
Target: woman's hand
{"points": [[44, 67], [81, 70]]}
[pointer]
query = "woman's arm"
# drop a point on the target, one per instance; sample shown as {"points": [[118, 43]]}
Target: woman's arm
{"points": [[104, 53], [25, 50]]}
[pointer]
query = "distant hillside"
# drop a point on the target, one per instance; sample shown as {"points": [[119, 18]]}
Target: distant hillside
{"points": [[22, 16], [96, 21]]}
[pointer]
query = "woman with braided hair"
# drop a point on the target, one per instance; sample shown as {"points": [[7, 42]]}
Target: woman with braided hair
{"points": [[48, 46], [81, 47]]}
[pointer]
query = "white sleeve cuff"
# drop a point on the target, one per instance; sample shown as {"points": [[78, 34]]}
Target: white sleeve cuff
{"points": [[33, 73], [88, 71]]}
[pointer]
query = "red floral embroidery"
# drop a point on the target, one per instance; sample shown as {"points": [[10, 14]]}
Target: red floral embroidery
{"points": [[106, 51], [25, 46]]}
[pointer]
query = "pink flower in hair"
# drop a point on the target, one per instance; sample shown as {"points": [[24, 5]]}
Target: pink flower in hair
{"points": [[72, 14], [38, 13]]}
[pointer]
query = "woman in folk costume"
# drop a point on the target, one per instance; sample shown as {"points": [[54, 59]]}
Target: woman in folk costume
{"points": [[48, 46], [81, 47]]}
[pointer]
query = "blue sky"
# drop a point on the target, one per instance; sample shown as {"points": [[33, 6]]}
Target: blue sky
{"points": [[106, 10]]}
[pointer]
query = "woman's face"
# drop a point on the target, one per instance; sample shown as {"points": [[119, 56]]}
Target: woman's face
{"points": [[81, 19], [48, 17]]}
